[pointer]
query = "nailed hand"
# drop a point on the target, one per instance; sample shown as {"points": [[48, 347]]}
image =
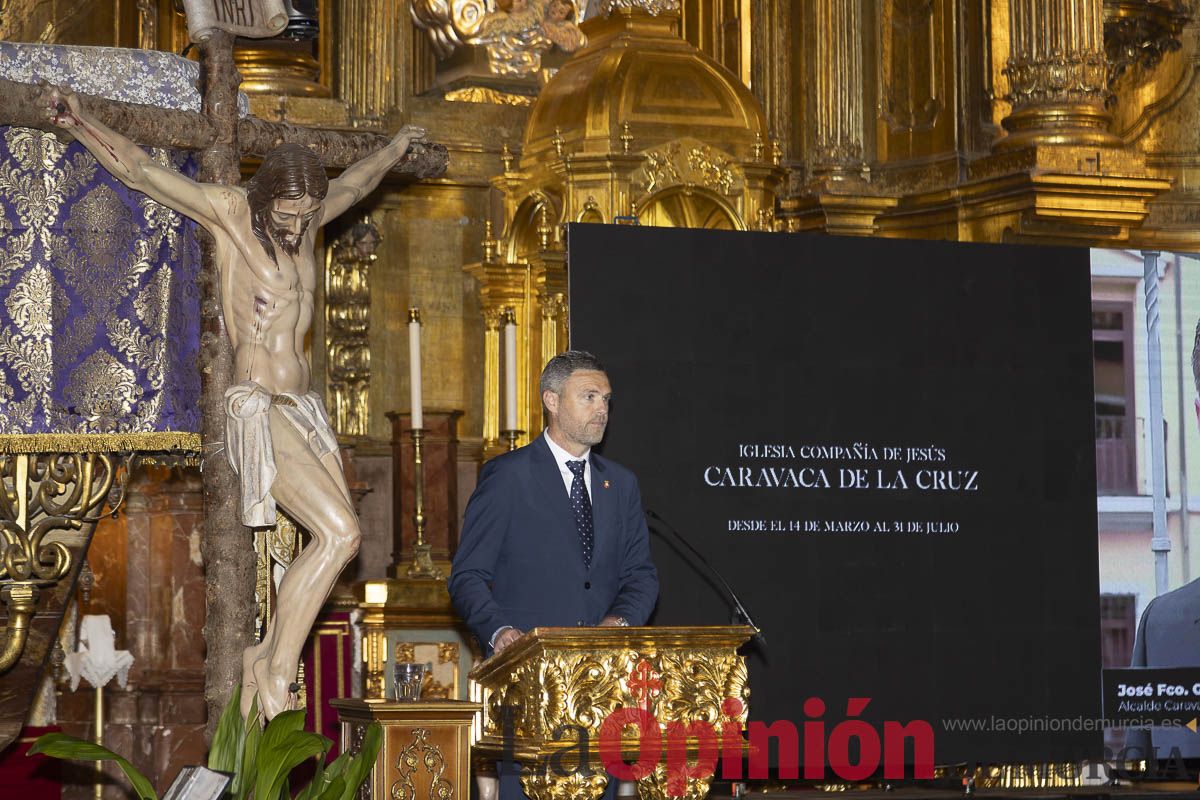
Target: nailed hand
{"points": [[407, 135], [60, 105]]}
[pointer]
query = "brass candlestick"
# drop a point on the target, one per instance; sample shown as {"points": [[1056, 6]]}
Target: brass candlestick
{"points": [[422, 565], [98, 786], [512, 437]]}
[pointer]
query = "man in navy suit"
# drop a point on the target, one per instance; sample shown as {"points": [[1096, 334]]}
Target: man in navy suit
{"points": [[1169, 636], [554, 535]]}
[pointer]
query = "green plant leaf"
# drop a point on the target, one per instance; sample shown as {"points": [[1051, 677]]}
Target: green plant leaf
{"points": [[276, 763], [225, 754], [244, 780], [60, 745], [338, 766], [327, 777], [335, 789], [359, 766], [283, 747], [318, 782]]}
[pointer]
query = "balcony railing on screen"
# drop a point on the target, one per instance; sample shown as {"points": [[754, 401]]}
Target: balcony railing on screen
{"points": [[1115, 473]]}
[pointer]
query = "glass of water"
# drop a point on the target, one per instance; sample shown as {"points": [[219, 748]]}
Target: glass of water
{"points": [[408, 676]]}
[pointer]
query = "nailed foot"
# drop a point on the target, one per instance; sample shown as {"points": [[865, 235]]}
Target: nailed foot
{"points": [[276, 692]]}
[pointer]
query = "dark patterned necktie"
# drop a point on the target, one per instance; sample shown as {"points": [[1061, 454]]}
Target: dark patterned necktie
{"points": [[581, 505]]}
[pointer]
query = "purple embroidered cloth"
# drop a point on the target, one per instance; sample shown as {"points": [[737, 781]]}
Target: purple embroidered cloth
{"points": [[99, 308]]}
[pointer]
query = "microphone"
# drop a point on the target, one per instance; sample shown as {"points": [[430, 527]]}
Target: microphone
{"points": [[740, 612]]}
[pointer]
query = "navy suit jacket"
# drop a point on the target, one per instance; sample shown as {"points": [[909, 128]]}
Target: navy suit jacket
{"points": [[520, 561], [1168, 636]]}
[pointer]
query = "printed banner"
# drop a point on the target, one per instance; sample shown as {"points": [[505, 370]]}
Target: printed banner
{"points": [[254, 19]]}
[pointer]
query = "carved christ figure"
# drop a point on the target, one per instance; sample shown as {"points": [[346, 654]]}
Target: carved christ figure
{"points": [[264, 237]]}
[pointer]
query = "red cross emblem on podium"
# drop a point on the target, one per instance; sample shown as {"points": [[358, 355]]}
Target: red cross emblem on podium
{"points": [[644, 683]]}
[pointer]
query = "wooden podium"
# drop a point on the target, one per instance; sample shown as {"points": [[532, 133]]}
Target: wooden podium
{"points": [[556, 677], [425, 751]]}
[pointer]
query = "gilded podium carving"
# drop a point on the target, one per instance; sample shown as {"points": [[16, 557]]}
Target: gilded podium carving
{"points": [[559, 694]]}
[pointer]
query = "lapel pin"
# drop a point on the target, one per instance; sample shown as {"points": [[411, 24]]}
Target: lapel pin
{"points": [[606, 484]]}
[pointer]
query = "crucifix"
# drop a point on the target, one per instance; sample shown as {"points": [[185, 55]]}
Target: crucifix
{"points": [[256, 306]]}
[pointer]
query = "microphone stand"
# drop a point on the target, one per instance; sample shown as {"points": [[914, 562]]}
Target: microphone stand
{"points": [[740, 613]]}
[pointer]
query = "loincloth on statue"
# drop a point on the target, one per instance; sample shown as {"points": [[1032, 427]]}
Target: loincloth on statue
{"points": [[249, 446]]}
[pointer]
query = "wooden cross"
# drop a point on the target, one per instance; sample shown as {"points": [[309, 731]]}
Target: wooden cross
{"points": [[221, 139]]}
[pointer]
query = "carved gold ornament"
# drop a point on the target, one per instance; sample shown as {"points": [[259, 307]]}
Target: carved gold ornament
{"points": [[1139, 34], [275, 550], [515, 33], [565, 677], [44, 498], [576, 785], [348, 325], [652, 7], [485, 94], [421, 753], [687, 162]]}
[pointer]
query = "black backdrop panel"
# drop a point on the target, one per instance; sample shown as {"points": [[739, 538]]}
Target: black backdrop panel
{"points": [[770, 365]]}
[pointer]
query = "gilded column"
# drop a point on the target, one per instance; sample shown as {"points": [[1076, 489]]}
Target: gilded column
{"points": [[1057, 74], [771, 56], [838, 102], [550, 283], [501, 286], [371, 73], [375, 656], [554, 318], [147, 24], [548, 273]]}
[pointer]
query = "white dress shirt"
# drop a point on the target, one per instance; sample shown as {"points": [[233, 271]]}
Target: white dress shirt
{"points": [[561, 457]]}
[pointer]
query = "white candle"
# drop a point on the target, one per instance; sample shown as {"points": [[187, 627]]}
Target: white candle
{"points": [[510, 372], [414, 361]]}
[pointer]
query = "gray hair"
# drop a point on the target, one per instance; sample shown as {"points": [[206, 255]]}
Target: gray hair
{"points": [[1195, 358], [563, 365]]}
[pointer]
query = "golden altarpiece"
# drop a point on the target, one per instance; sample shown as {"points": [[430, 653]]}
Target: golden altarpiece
{"points": [[1070, 121]]}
